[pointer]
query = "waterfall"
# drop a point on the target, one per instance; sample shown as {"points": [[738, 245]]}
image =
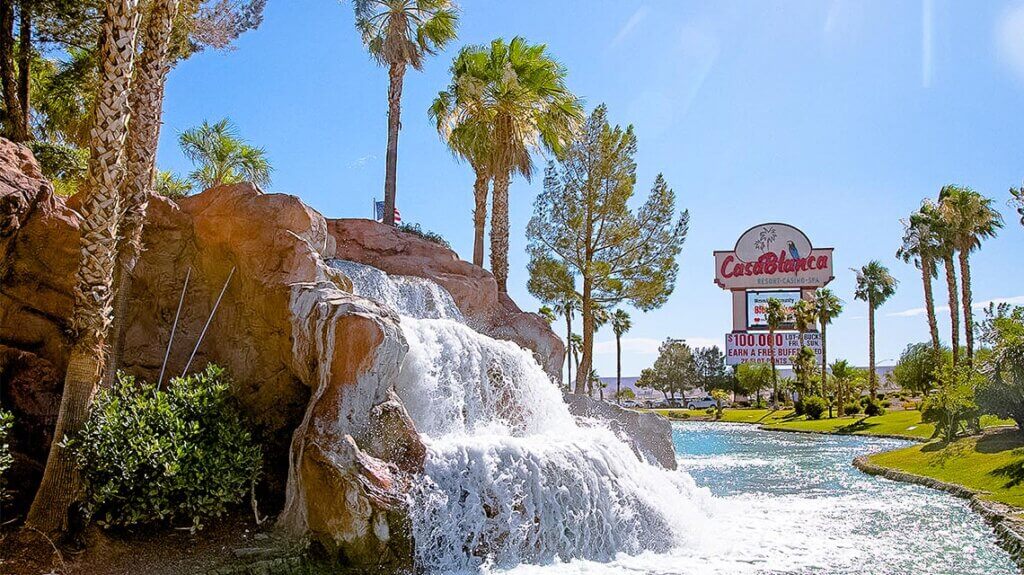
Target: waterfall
{"points": [[511, 476]]}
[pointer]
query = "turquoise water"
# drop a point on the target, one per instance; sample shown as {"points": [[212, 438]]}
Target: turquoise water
{"points": [[774, 503]]}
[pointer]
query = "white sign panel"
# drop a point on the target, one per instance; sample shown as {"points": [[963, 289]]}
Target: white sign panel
{"points": [[754, 347], [757, 308]]}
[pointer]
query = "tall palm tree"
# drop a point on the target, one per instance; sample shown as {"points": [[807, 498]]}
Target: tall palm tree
{"points": [[1017, 201], [100, 215], [827, 306], [399, 34], [775, 315], [875, 285], [223, 157], [565, 307], [921, 246], [146, 103], [944, 251], [621, 323], [469, 138], [511, 100], [971, 219]]}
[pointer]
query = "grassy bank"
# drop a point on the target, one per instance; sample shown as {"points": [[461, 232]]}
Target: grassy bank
{"points": [[893, 423], [992, 463]]}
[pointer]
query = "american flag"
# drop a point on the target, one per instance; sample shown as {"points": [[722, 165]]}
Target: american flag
{"points": [[378, 208]]}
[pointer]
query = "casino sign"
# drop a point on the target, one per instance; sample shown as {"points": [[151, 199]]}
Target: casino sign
{"points": [[771, 260]]}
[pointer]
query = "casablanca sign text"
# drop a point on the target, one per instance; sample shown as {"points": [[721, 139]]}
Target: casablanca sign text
{"points": [[755, 347], [773, 255]]}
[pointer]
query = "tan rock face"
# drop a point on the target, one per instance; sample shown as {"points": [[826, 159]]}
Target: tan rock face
{"points": [[313, 365], [473, 289]]}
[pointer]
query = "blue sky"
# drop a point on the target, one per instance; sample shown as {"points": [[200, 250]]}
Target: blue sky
{"points": [[835, 116]]}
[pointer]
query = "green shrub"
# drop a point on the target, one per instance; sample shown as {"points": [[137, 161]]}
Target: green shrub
{"points": [[852, 408], [814, 406], [6, 421], [886, 403], [798, 407], [416, 230], [873, 407], [180, 455]]}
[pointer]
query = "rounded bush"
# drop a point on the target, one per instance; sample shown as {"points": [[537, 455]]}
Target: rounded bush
{"points": [[873, 408], [175, 456], [852, 407], [814, 407]]}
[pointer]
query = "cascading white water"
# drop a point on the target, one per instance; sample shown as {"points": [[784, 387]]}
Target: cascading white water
{"points": [[510, 476]]}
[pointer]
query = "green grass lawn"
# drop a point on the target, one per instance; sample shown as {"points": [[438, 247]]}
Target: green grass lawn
{"points": [[992, 463]]}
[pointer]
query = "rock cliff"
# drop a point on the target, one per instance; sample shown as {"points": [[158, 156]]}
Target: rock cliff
{"points": [[313, 365]]}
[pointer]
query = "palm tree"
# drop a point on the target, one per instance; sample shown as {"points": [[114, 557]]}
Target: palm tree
{"points": [[775, 315], [874, 285], [842, 374], [146, 107], [621, 323], [803, 314], [469, 139], [547, 313], [223, 157], [509, 99], [921, 246], [1017, 201], [398, 34], [565, 307], [100, 214], [945, 251], [971, 219], [827, 306]]}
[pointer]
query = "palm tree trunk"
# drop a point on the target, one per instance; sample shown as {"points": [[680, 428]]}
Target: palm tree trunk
{"points": [[15, 130], [146, 107], [479, 215], [618, 367], [954, 306], [568, 347], [872, 380], [499, 235], [100, 213], [927, 271], [396, 75], [24, 68], [824, 366], [965, 285]]}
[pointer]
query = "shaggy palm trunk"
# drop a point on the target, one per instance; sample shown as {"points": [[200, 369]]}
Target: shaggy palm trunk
{"points": [[499, 234], [618, 367], [396, 75], [965, 286], [872, 377], [479, 215], [100, 214], [824, 366], [954, 306], [24, 68], [927, 271], [15, 129], [146, 106]]}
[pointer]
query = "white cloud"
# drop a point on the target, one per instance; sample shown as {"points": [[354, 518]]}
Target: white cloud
{"points": [[916, 311], [1009, 38], [647, 345], [634, 20], [360, 162]]}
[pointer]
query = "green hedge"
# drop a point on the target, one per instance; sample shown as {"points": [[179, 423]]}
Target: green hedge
{"points": [[179, 455]]}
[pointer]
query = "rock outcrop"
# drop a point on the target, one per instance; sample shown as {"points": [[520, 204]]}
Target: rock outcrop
{"points": [[313, 366], [649, 434], [473, 289]]}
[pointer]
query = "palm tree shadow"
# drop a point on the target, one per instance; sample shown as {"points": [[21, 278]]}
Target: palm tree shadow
{"points": [[857, 426], [1010, 440]]}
